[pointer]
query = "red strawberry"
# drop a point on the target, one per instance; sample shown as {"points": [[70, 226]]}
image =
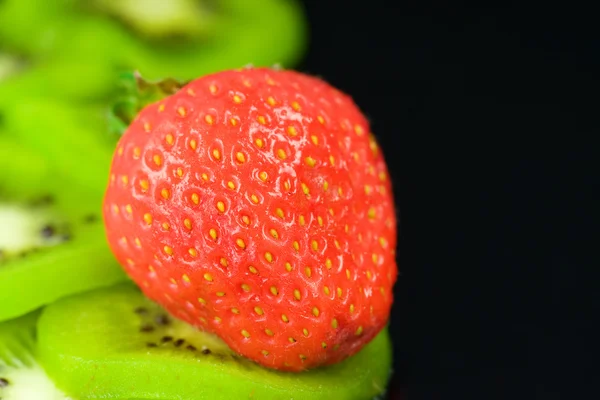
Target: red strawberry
{"points": [[255, 204]]}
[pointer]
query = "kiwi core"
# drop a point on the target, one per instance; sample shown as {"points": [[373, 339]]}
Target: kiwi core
{"points": [[24, 229], [159, 18], [8, 66], [28, 383]]}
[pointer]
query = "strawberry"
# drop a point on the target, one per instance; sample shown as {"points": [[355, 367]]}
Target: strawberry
{"points": [[255, 204]]}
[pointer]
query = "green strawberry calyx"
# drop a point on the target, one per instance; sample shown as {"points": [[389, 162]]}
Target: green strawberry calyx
{"points": [[135, 94]]}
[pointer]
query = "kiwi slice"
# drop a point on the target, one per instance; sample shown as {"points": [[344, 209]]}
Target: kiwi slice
{"points": [[52, 240], [77, 80], [179, 38], [74, 139], [115, 343], [21, 377], [159, 19]]}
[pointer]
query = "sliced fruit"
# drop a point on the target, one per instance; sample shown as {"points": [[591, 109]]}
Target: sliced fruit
{"points": [[21, 378], [184, 39], [73, 139], [79, 80], [158, 19], [115, 343], [21, 169], [261, 33], [52, 241]]}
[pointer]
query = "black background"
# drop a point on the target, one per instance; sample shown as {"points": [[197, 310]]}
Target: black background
{"points": [[488, 119]]}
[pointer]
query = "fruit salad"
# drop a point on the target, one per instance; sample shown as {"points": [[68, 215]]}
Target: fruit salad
{"points": [[217, 233]]}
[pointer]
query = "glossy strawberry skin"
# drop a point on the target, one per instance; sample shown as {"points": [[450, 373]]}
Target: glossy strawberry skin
{"points": [[255, 204]]}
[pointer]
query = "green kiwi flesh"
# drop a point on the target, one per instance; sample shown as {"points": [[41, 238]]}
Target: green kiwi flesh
{"points": [[194, 38], [72, 139], [115, 343], [52, 241], [21, 378]]}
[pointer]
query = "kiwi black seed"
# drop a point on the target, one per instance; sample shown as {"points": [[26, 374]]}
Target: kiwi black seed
{"points": [[162, 320], [90, 218], [48, 231], [141, 311], [4, 382], [158, 321], [44, 200]]}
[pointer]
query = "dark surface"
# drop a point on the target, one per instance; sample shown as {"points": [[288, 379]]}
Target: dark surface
{"points": [[487, 119]]}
